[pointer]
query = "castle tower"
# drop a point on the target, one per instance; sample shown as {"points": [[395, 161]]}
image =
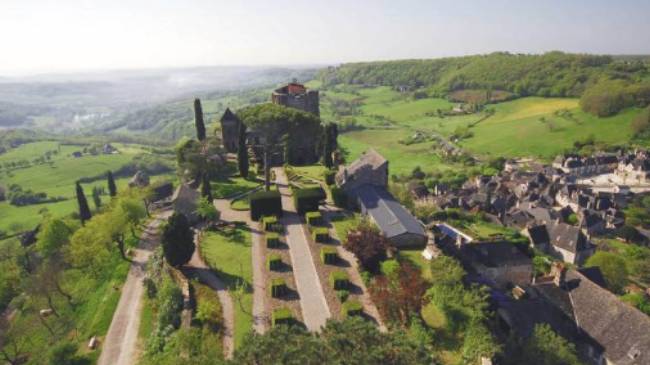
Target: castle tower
{"points": [[295, 95], [230, 125]]}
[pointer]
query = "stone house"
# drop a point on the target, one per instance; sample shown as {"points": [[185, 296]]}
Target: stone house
{"points": [[502, 264], [569, 243], [370, 168]]}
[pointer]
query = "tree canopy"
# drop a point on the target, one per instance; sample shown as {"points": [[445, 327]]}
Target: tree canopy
{"points": [[177, 240]]}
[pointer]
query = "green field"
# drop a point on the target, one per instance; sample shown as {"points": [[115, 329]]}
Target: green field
{"points": [[57, 177], [228, 252], [526, 127]]}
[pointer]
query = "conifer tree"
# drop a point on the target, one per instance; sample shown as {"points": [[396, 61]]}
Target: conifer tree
{"points": [[242, 153], [112, 189], [206, 189], [177, 240], [84, 210], [198, 120]]}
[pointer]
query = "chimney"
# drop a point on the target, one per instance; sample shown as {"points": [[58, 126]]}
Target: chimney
{"points": [[558, 271]]}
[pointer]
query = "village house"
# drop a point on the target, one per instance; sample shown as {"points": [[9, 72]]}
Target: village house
{"points": [[365, 182]]}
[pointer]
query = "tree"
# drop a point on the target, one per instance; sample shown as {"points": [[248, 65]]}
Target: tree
{"points": [[545, 347], [613, 268], [445, 270], [52, 236], [399, 294], [84, 210], [133, 211], [198, 120], [65, 353], [629, 234], [96, 197], [207, 210], [368, 245], [242, 153], [177, 240], [206, 188], [112, 189]]}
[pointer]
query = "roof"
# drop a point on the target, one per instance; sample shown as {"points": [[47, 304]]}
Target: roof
{"points": [[228, 115], [538, 234], [185, 201], [388, 213], [495, 254], [370, 158], [567, 237], [621, 330]]}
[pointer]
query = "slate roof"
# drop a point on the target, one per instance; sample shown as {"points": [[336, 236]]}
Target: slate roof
{"points": [[370, 158], [391, 217], [567, 237], [538, 234], [621, 330], [228, 115], [495, 254]]}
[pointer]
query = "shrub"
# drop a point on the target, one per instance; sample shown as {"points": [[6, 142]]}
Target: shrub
{"points": [[351, 308], [270, 224], [274, 262], [328, 255], [342, 295], [339, 280], [278, 288], [272, 240], [339, 197], [321, 234], [308, 199], [368, 245], [329, 177], [281, 316], [314, 218], [265, 203]]}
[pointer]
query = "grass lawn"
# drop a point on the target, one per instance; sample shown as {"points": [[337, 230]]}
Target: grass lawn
{"points": [[342, 226], [228, 252], [231, 186], [415, 256]]}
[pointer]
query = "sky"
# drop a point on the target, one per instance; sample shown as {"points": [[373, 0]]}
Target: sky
{"points": [[44, 36]]}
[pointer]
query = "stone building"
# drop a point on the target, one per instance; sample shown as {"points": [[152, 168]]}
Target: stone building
{"points": [[371, 168], [295, 95], [230, 125]]}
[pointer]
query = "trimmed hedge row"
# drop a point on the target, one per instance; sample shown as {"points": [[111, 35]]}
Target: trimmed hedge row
{"points": [[351, 308], [339, 197], [270, 224], [274, 262], [278, 288], [339, 280], [265, 203], [314, 218], [328, 255], [308, 199], [329, 177], [320, 234], [281, 316], [272, 240]]}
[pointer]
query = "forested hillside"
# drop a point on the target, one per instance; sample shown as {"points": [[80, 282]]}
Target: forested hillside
{"points": [[552, 74]]}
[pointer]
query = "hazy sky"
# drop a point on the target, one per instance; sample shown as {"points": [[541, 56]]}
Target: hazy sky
{"points": [[66, 35]]}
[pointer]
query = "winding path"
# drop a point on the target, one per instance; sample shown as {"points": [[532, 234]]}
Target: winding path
{"points": [[120, 343], [313, 304]]}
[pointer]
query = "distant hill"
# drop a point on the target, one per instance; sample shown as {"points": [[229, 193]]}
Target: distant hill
{"points": [[550, 74]]}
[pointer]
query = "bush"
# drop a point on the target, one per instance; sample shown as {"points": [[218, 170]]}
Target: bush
{"points": [[274, 262], [308, 199], [321, 234], [272, 240], [342, 295], [368, 244], [265, 203], [281, 316], [329, 176], [314, 218], [351, 308], [339, 280], [278, 288], [339, 197], [270, 224], [328, 255]]}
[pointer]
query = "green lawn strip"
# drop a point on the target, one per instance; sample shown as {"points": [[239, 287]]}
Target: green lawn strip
{"points": [[231, 186], [229, 254], [343, 225]]}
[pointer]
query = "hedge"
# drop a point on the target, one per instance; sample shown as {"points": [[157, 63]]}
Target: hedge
{"points": [[270, 224], [339, 280], [281, 316], [278, 288], [329, 177], [265, 203], [351, 308], [321, 234], [274, 262], [272, 240], [328, 255], [339, 197], [314, 218], [308, 199]]}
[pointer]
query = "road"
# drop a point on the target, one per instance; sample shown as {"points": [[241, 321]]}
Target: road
{"points": [[120, 344], [313, 304]]}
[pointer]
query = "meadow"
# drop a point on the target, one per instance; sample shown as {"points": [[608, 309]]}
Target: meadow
{"points": [[57, 178], [526, 127]]}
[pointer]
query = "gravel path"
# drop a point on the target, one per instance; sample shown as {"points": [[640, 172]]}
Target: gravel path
{"points": [[260, 312], [314, 307], [120, 343]]}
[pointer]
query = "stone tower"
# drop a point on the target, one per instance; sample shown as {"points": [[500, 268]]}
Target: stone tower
{"points": [[230, 125], [295, 95]]}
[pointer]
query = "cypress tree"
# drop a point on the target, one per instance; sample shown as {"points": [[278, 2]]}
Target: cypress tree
{"points": [[112, 189], [177, 240], [242, 153], [327, 151], [84, 210], [198, 120], [206, 189]]}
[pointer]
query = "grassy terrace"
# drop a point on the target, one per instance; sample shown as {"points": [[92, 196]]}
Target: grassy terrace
{"points": [[228, 252]]}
